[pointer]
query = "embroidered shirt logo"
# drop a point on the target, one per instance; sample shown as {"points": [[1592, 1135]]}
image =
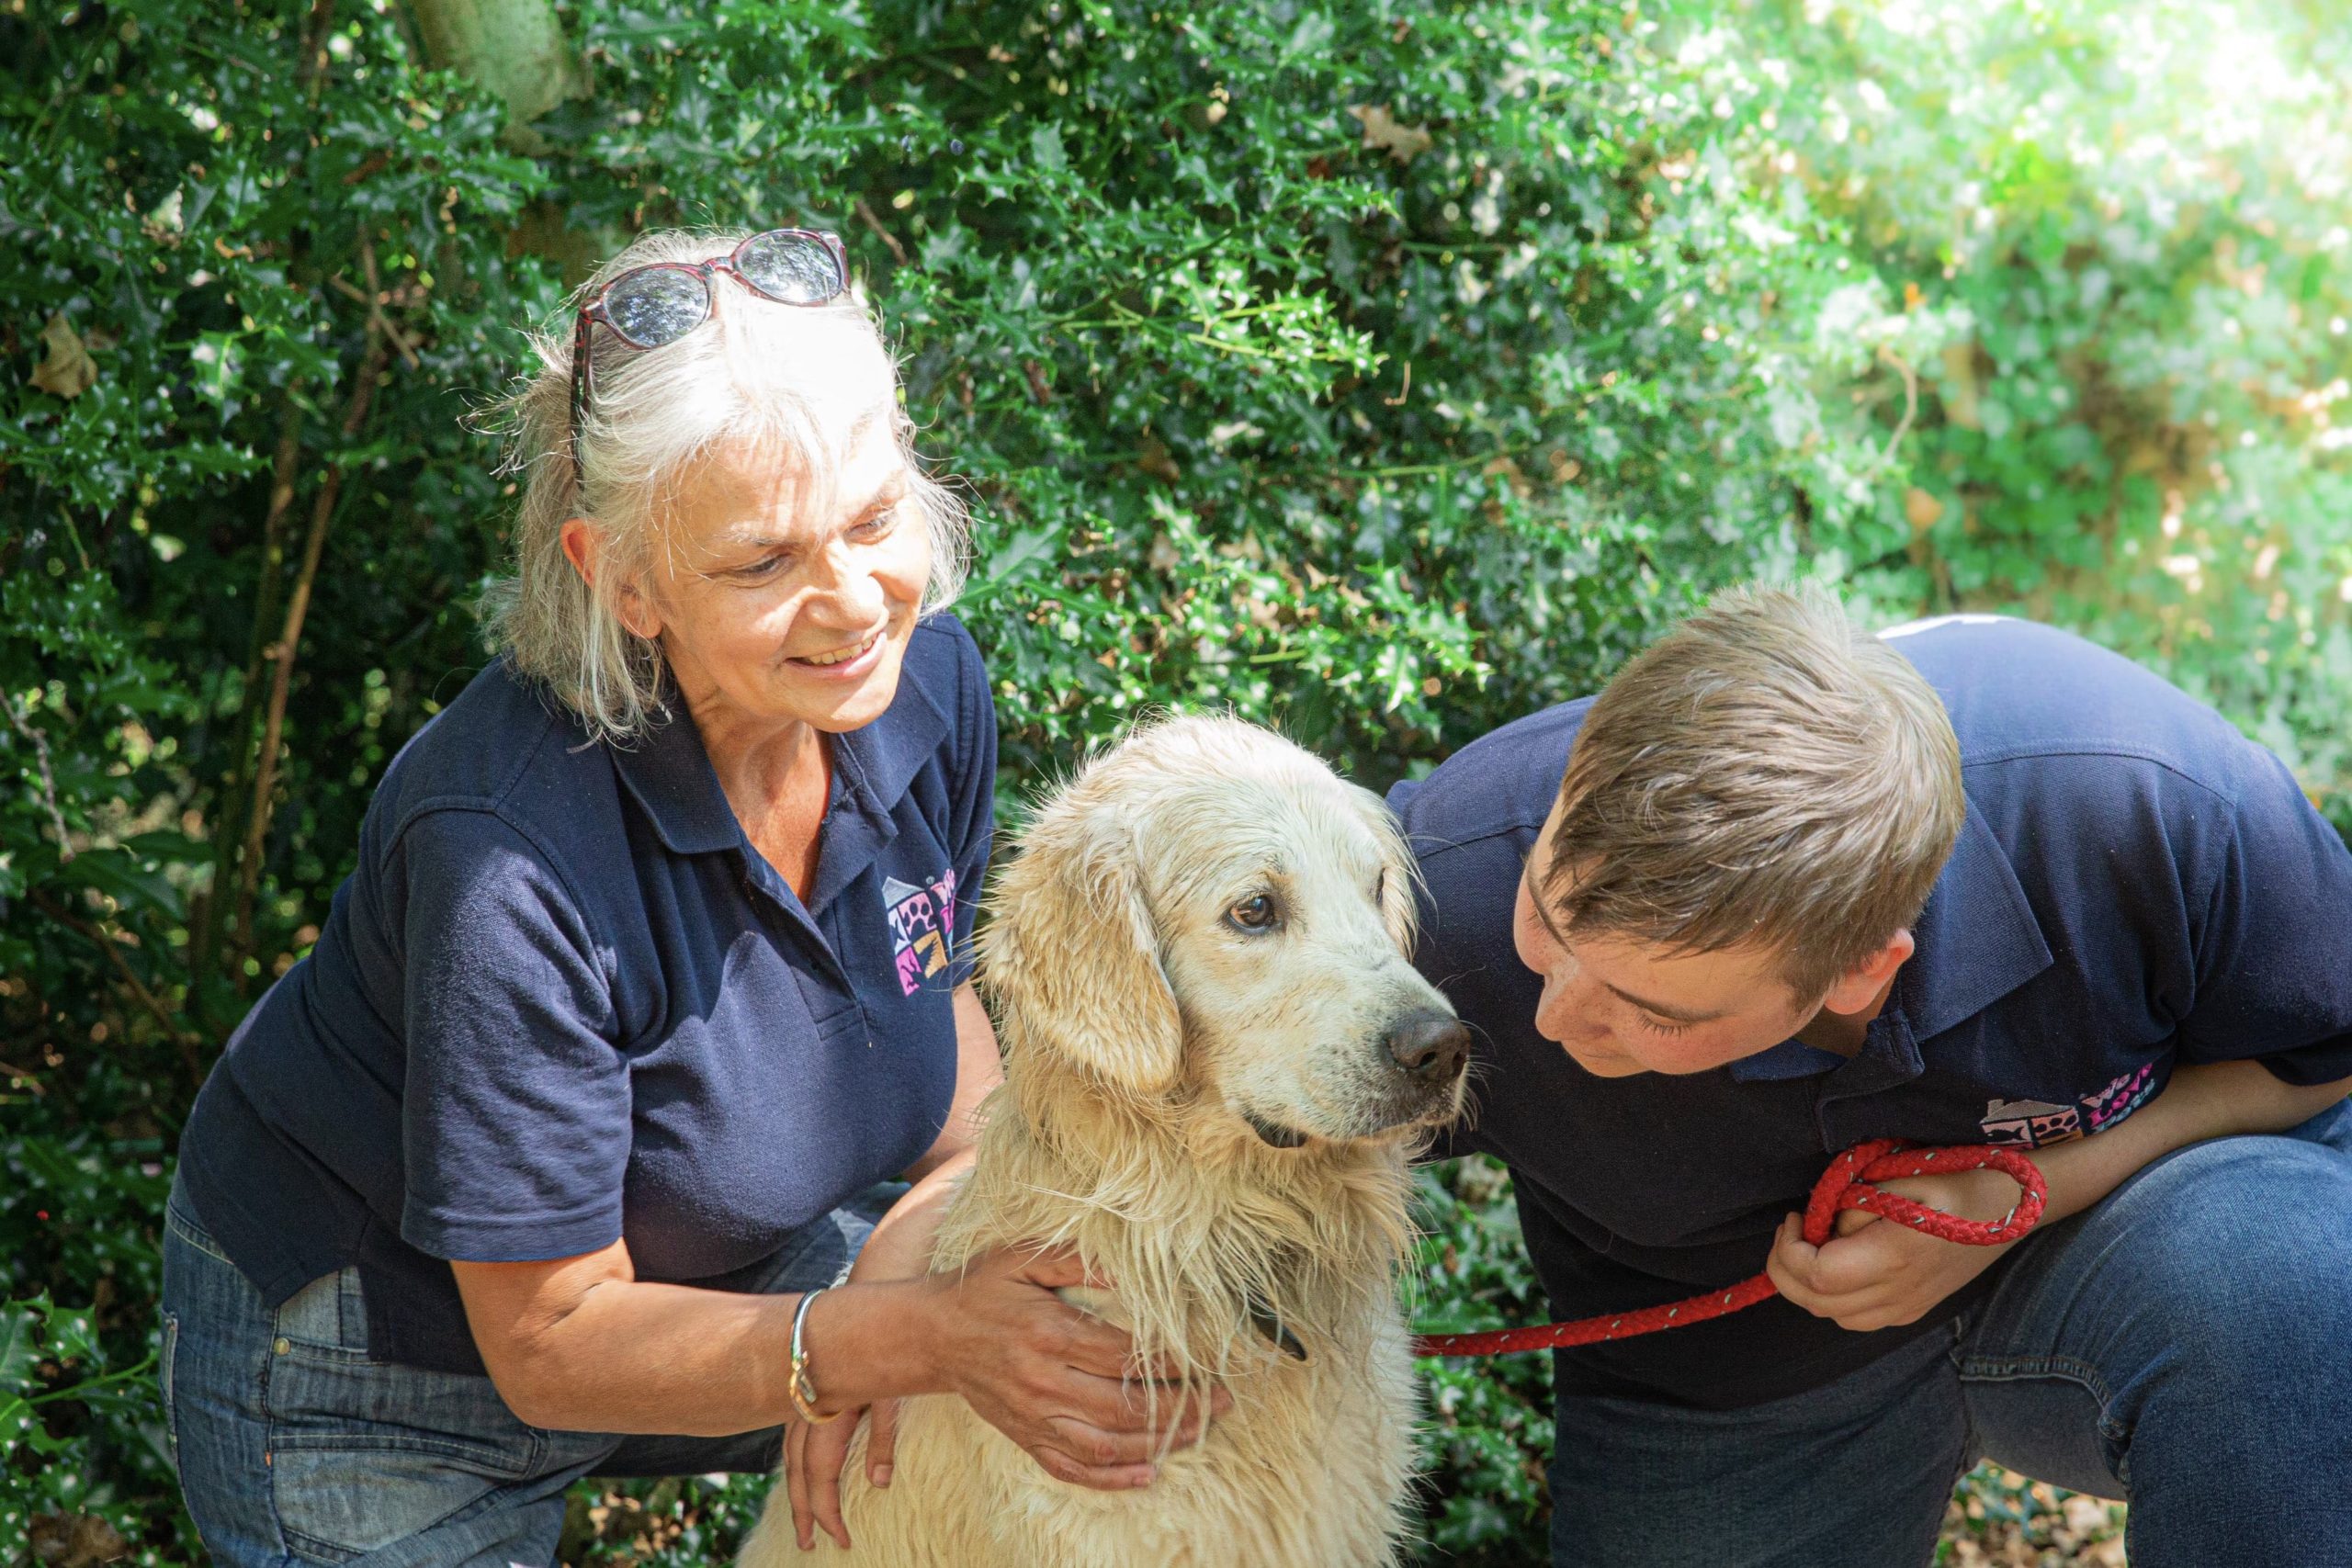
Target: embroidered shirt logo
{"points": [[2122, 1097], [2028, 1123], [2032, 1123], [923, 921]]}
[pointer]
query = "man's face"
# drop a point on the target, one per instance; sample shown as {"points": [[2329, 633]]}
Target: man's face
{"points": [[1621, 1007]]}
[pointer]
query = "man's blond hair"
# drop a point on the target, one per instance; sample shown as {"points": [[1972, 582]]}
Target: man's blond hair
{"points": [[1767, 776]]}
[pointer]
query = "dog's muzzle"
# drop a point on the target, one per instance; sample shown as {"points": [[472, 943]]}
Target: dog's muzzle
{"points": [[1432, 1046], [1427, 1052]]}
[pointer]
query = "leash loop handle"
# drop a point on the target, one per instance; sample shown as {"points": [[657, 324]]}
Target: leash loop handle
{"points": [[1851, 1182]]}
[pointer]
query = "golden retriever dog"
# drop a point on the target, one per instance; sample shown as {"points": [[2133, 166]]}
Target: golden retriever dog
{"points": [[1217, 1057]]}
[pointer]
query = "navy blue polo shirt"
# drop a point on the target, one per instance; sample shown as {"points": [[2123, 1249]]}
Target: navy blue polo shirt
{"points": [[563, 1001], [2137, 885]]}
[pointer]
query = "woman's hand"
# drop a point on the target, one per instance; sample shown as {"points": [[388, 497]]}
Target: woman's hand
{"points": [[1054, 1380], [1048, 1376], [814, 1457], [1873, 1275]]}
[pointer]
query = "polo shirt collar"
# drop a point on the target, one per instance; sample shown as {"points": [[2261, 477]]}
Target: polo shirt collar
{"points": [[677, 789], [1977, 941], [872, 768], [674, 783], [1977, 935], [883, 759]]}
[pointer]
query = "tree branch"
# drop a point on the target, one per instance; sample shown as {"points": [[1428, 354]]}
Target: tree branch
{"points": [[289, 640], [183, 1038], [374, 299], [228, 826], [48, 779], [865, 216], [310, 72], [1910, 404]]}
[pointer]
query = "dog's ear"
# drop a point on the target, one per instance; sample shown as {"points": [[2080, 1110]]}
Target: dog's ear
{"points": [[1073, 953], [1400, 873]]}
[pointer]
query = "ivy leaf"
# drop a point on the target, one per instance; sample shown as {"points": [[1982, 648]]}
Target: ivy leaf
{"points": [[219, 360], [123, 878], [1017, 558], [73, 1337], [1046, 147], [19, 1343]]}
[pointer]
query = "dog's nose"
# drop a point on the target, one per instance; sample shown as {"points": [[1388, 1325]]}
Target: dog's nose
{"points": [[1430, 1045]]}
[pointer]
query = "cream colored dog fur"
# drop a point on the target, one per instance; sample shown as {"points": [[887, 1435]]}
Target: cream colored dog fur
{"points": [[1216, 1117]]}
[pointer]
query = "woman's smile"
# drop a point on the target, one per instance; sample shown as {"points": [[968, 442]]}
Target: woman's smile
{"points": [[848, 661]]}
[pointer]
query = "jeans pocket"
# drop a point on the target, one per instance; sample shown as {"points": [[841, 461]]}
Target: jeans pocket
{"points": [[366, 1453], [337, 1504]]}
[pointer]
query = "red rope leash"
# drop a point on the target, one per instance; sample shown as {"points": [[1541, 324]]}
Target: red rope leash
{"points": [[1848, 1183]]}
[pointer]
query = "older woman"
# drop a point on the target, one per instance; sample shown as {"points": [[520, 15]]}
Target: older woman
{"points": [[651, 970]]}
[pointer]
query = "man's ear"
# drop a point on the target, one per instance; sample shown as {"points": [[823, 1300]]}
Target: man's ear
{"points": [[583, 547], [1072, 954], [1857, 987]]}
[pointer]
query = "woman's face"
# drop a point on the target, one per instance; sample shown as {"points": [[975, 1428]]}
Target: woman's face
{"points": [[780, 600]]}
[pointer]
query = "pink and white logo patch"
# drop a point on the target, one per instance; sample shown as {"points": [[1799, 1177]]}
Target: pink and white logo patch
{"points": [[2122, 1097], [2028, 1123], [923, 922], [2034, 1124]]}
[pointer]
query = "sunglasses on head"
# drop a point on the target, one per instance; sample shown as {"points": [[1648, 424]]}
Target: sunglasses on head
{"points": [[654, 306]]}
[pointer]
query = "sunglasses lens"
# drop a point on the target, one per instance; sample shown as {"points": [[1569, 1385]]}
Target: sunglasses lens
{"points": [[658, 306], [794, 268]]}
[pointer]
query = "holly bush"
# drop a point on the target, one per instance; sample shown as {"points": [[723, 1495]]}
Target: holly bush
{"points": [[1383, 371]]}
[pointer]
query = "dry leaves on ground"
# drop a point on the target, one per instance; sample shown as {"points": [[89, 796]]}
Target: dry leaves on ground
{"points": [[66, 369], [1381, 129], [74, 1540], [2002, 1520]]}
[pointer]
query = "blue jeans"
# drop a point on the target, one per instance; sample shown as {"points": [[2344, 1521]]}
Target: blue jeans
{"points": [[294, 1448], [2183, 1344]]}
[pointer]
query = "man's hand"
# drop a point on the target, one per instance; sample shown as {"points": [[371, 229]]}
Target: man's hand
{"points": [[1875, 1275]]}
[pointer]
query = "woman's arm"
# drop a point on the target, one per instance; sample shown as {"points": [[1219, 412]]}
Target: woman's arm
{"points": [[581, 1344], [1874, 1276], [718, 1361], [899, 1248], [979, 1068]]}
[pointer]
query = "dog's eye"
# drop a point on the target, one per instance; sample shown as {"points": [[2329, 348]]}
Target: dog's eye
{"points": [[1254, 914]]}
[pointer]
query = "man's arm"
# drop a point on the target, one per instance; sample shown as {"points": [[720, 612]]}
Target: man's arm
{"points": [[2212, 1100], [1877, 1276], [2263, 999]]}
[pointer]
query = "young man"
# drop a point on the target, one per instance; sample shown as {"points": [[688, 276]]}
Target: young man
{"points": [[1784, 887]]}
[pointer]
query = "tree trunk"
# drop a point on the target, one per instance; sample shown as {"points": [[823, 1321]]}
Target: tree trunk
{"points": [[515, 48]]}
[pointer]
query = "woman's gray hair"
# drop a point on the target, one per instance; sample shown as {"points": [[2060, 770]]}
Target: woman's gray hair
{"points": [[755, 374]]}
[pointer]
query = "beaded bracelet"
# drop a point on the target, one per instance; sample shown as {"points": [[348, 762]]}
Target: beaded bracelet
{"points": [[803, 1392]]}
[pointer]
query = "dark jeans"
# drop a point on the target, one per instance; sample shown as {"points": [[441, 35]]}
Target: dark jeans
{"points": [[294, 1448], [2183, 1344]]}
